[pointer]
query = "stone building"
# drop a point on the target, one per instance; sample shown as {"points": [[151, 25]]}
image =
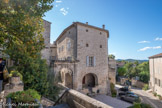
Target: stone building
{"points": [[46, 35], [155, 83], [81, 59], [112, 68]]}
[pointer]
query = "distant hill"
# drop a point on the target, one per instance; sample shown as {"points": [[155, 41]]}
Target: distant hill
{"points": [[132, 60]]}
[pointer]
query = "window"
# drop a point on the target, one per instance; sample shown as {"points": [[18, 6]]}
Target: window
{"points": [[90, 61], [155, 80], [62, 48], [68, 45], [100, 33], [100, 46], [59, 49], [87, 45], [86, 30], [158, 82], [69, 32], [161, 84]]}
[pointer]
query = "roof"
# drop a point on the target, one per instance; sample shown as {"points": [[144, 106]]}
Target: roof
{"points": [[79, 23], [156, 56]]}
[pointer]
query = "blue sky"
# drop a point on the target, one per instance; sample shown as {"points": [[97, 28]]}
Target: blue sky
{"points": [[135, 26]]}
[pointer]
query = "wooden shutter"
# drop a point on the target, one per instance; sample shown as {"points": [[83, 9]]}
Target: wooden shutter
{"points": [[87, 60], [94, 61]]}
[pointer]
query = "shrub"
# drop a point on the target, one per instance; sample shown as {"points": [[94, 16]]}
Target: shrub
{"points": [[113, 91], [16, 74], [143, 105], [146, 87], [155, 94], [28, 96], [160, 97], [140, 105]]}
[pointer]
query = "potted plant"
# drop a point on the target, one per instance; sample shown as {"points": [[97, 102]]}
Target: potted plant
{"points": [[15, 77]]}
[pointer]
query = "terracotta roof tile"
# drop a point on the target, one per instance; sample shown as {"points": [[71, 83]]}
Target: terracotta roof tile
{"points": [[156, 56]]}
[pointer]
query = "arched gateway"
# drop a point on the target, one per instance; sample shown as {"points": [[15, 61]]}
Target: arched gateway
{"points": [[89, 80], [66, 77]]}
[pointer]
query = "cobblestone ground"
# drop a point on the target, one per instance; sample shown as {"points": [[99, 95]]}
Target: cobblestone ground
{"points": [[114, 102]]}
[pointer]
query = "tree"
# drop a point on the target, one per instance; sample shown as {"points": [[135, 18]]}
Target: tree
{"points": [[121, 71], [128, 66], [111, 56], [21, 28]]}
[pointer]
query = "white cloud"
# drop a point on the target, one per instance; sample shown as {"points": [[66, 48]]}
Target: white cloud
{"points": [[144, 42], [114, 53], [158, 39], [147, 48], [64, 11], [58, 1], [56, 6]]}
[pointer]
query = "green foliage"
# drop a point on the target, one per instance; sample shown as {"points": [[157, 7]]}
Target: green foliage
{"points": [[121, 71], [146, 87], [144, 76], [113, 91], [15, 73], [155, 94], [131, 70], [160, 97], [140, 105], [21, 28], [128, 66], [111, 56], [28, 96]]}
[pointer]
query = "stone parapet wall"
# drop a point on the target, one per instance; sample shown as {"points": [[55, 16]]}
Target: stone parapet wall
{"points": [[76, 99]]}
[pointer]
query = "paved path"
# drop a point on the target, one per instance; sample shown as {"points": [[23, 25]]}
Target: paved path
{"points": [[114, 102], [148, 98]]}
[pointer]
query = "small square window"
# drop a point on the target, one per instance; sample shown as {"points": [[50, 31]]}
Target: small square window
{"points": [[100, 46], [87, 45], [86, 30]]}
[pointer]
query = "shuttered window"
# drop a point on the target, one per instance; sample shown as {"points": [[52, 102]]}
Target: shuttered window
{"points": [[91, 61]]}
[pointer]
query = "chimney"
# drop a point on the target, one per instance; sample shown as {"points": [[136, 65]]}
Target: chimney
{"points": [[103, 26], [87, 23]]}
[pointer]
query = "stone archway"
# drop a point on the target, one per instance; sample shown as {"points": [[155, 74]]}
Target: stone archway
{"points": [[89, 80], [66, 77], [68, 80]]}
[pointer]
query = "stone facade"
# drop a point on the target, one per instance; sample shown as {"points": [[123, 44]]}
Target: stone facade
{"points": [[46, 35], [112, 68], [155, 63], [82, 52]]}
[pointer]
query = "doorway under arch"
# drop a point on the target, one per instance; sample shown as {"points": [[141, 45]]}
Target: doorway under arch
{"points": [[89, 80]]}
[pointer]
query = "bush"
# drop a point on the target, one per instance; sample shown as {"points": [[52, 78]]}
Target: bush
{"points": [[113, 91], [15, 74], [140, 105], [160, 97], [146, 87], [28, 96], [155, 94]]}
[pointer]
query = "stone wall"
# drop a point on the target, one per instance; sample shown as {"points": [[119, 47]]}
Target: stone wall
{"points": [[14, 85], [137, 83], [46, 35], [94, 38], [76, 99], [66, 37], [112, 70]]}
